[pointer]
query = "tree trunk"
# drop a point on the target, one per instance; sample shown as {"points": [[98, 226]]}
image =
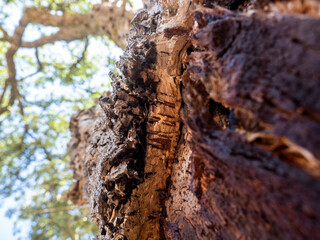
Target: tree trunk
{"points": [[213, 131]]}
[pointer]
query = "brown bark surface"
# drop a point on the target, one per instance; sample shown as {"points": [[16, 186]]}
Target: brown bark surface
{"points": [[212, 131]]}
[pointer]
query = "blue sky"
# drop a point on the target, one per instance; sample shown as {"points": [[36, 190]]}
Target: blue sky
{"points": [[6, 225]]}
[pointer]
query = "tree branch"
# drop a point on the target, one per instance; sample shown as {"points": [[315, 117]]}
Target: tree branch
{"points": [[79, 60], [39, 66], [104, 19], [65, 34], [15, 44], [5, 35], [124, 3]]}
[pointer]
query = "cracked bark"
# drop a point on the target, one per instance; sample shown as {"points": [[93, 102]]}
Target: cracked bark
{"points": [[213, 130]]}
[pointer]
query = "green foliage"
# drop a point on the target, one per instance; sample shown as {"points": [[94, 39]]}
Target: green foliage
{"points": [[54, 81]]}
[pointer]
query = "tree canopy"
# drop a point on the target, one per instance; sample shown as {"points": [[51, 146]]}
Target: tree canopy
{"points": [[54, 60]]}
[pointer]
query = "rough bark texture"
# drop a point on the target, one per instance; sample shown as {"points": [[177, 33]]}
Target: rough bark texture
{"points": [[212, 131]]}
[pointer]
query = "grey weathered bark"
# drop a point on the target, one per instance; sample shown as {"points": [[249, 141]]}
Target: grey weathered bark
{"points": [[213, 131]]}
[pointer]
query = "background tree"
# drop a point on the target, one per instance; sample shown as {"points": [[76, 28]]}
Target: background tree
{"points": [[49, 69]]}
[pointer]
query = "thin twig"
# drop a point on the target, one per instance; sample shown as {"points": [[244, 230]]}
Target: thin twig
{"points": [[80, 59]]}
